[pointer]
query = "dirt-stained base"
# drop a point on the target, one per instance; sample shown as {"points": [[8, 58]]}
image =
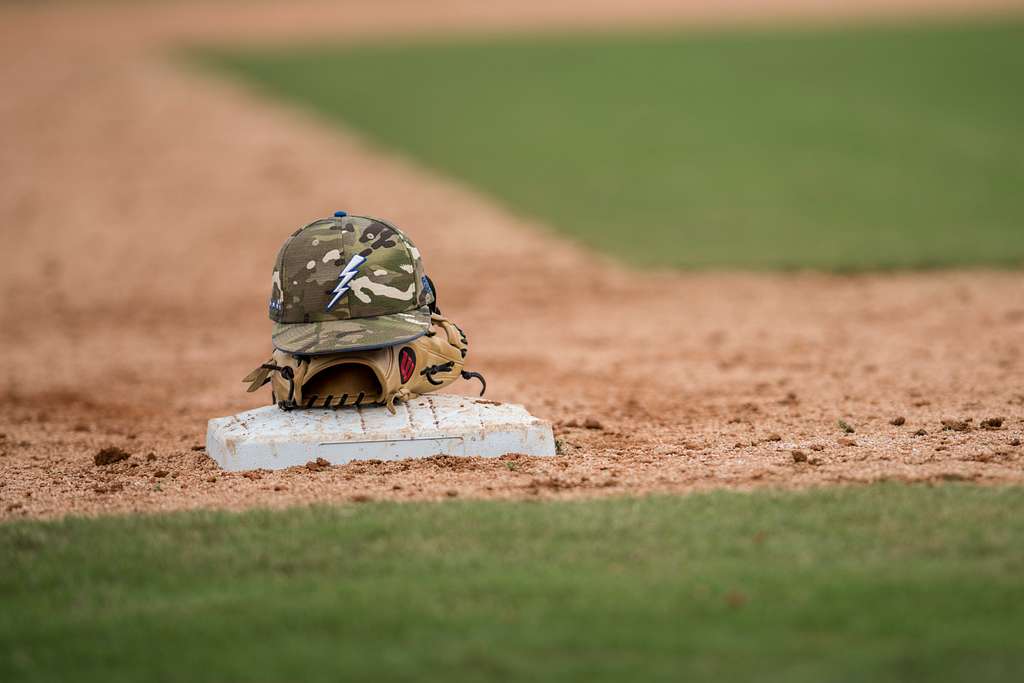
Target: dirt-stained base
{"points": [[142, 206]]}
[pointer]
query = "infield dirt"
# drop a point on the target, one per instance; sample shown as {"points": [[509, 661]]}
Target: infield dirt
{"points": [[142, 205]]}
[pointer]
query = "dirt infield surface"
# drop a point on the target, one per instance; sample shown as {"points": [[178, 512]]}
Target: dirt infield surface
{"points": [[141, 207]]}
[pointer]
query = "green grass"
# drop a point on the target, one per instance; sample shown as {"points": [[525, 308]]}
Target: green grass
{"points": [[855, 148], [883, 583]]}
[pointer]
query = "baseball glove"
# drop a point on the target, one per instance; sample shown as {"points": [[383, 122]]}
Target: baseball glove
{"points": [[382, 376]]}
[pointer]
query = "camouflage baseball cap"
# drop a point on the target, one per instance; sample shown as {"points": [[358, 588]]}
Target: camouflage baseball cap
{"points": [[348, 283]]}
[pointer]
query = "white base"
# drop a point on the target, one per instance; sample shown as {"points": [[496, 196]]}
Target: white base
{"points": [[271, 438]]}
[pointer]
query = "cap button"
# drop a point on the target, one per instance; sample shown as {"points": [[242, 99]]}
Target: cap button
{"points": [[340, 214]]}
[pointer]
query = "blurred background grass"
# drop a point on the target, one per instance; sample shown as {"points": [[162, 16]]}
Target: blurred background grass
{"points": [[881, 583], [847, 148]]}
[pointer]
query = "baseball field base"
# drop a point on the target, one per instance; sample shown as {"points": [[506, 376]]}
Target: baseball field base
{"points": [[271, 438]]}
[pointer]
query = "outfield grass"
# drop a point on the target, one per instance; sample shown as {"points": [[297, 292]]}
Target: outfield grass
{"points": [[856, 148], [885, 583]]}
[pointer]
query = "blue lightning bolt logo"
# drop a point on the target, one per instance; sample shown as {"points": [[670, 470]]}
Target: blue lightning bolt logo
{"points": [[346, 275]]}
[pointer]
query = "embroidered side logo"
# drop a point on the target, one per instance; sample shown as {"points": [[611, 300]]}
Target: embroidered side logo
{"points": [[345, 277], [406, 363]]}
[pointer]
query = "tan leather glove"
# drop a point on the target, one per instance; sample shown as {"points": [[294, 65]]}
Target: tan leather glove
{"points": [[381, 376]]}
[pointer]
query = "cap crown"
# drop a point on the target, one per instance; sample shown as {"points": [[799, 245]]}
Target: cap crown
{"points": [[347, 267]]}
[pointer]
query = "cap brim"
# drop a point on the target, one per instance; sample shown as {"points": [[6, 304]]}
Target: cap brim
{"points": [[357, 334]]}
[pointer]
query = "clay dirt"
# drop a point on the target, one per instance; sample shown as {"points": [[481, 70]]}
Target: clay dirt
{"points": [[143, 203]]}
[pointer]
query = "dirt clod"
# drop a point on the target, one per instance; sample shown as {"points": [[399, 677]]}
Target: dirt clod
{"points": [[318, 465], [845, 426], [898, 421], [592, 423], [921, 432], [252, 474], [110, 455], [1014, 441], [799, 456], [773, 437], [160, 474], [952, 425], [846, 441], [993, 422], [150, 457]]}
